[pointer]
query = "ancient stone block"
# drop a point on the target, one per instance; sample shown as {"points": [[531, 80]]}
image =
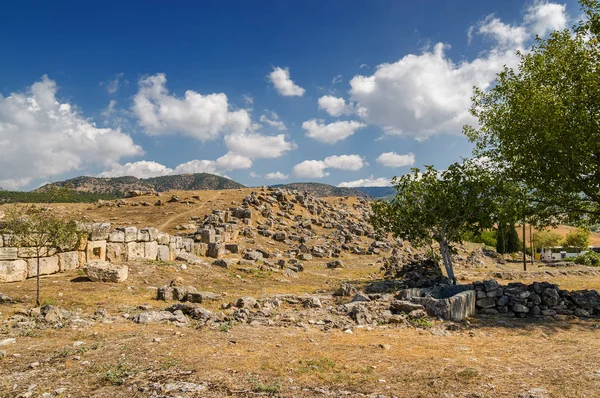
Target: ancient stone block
{"points": [[232, 247], [164, 254], [8, 253], [135, 250], [103, 271], [116, 236], [96, 250], [29, 252], [100, 231], [13, 271], [215, 250], [151, 250], [68, 261], [143, 236], [207, 236], [48, 265], [130, 233], [199, 249], [162, 238], [152, 233], [116, 252]]}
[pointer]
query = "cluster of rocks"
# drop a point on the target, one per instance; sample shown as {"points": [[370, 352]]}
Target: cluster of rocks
{"points": [[539, 299], [412, 271]]}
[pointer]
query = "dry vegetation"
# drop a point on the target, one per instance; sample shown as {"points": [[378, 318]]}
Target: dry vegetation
{"points": [[118, 358]]}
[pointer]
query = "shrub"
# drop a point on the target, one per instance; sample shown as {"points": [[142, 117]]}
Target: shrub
{"points": [[590, 258]]}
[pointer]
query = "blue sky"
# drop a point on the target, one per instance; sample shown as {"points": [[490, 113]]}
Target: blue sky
{"points": [[339, 92]]}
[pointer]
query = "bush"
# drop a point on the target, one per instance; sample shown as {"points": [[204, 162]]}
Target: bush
{"points": [[590, 258], [487, 237]]}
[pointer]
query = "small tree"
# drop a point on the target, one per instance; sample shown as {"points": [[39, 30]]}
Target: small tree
{"points": [[579, 238], [40, 229], [508, 239], [546, 238], [437, 206]]}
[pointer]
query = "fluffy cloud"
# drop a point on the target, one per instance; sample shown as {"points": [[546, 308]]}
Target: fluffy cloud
{"points": [[331, 133], [367, 182], [42, 137], [258, 146], [544, 17], [335, 106], [280, 78], [425, 94], [197, 166], [204, 117], [273, 121], [276, 175], [310, 169], [233, 161], [392, 159], [344, 162], [140, 169], [316, 168]]}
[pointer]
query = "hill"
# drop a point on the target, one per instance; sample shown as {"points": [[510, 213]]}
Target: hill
{"points": [[378, 192], [117, 186], [321, 190]]}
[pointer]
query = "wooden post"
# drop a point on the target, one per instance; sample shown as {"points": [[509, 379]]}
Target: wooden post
{"points": [[524, 249], [531, 244]]}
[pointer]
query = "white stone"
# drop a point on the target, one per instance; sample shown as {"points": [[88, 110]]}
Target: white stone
{"points": [[163, 239], [13, 271], [116, 252], [116, 236], [151, 250], [164, 254], [96, 250], [48, 265], [130, 233], [143, 236], [100, 231], [103, 271], [29, 252], [68, 261], [8, 253], [152, 233], [135, 250]]}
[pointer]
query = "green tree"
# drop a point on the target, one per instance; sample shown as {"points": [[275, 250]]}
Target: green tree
{"points": [[541, 122], [508, 239], [438, 206], [578, 238], [40, 229], [546, 238]]}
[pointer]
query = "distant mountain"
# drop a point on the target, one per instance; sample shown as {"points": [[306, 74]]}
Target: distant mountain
{"points": [[117, 186], [318, 189], [378, 192]]}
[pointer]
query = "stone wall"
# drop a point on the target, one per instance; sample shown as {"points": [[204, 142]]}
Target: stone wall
{"points": [[103, 242], [539, 299]]}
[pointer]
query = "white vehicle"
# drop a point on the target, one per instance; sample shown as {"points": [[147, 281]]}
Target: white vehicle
{"points": [[558, 253]]}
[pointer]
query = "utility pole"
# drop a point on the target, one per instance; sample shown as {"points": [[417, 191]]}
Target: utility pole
{"points": [[531, 244]]}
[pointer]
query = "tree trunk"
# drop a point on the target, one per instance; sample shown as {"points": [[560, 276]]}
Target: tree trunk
{"points": [[447, 260], [37, 297], [524, 249]]}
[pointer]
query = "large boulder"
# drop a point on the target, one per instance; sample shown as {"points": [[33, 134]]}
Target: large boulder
{"points": [[103, 271]]}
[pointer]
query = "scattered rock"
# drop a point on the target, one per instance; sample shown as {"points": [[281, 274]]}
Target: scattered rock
{"points": [[103, 271]]}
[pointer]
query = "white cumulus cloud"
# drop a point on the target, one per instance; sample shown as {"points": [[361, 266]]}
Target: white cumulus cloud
{"points": [[335, 106], [197, 166], [42, 137], [280, 78], [421, 95], [276, 175], [310, 169], [392, 159], [204, 117], [344, 162], [258, 146], [367, 182], [332, 132], [139, 169], [273, 121], [233, 161]]}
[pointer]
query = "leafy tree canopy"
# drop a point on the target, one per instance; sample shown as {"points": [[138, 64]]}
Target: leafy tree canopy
{"points": [[579, 238], [541, 123], [547, 238]]}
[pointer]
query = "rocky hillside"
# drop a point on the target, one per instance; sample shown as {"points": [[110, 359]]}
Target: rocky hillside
{"points": [[119, 185], [321, 190]]}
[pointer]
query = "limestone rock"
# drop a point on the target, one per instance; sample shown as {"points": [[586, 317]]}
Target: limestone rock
{"points": [[103, 271]]}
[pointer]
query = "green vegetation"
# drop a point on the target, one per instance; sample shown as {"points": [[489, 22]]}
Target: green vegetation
{"points": [[539, 124], [487, 237], [117, 374], [259, 386], [319, 365], [41, 230], [591, 259], [438, 206], [547, 239], [579, 238], [508, 239], [49, 197]]}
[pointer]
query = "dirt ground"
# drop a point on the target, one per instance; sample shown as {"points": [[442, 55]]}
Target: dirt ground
{"points": [[114, 357]]}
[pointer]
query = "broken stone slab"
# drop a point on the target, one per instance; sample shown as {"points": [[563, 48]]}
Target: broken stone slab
{"points": [[190, 258], [103, 271], [68, 261], [335, 264], [400, 306], [13, 271], [223, 263], [455, 308], [160, 316], [8, 253], [202, 297], [48, 265]]}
